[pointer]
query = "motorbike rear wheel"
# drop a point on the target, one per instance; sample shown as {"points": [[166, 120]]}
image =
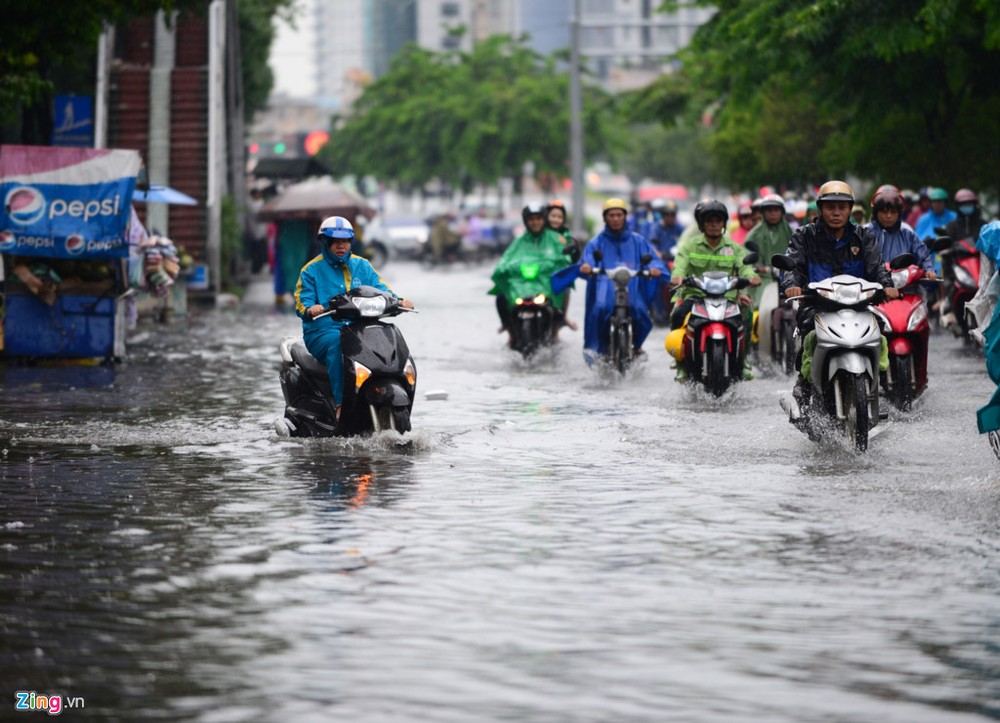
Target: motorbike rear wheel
{"points": [[854, 395], [902, 382]]}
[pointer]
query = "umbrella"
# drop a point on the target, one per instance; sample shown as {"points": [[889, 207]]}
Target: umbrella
{"points": [[163, 194], [315, 198]]}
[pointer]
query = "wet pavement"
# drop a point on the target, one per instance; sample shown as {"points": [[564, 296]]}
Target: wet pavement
{"points": [[549, 544]]}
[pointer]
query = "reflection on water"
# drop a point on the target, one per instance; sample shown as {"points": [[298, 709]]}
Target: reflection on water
{"points": [[549, 544]]}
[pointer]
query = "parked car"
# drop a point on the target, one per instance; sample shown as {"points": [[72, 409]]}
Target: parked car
{"points": [[402, 236]]}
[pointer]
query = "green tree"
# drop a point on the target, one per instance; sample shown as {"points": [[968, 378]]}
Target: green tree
{"points": [[466, 117], [257, 33], [899, 90]]}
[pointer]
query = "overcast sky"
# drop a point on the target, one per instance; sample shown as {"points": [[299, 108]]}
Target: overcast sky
{"points": [[291, 56]]}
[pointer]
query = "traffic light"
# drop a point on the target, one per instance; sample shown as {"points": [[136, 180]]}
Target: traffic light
{"points": [[279, 147]]}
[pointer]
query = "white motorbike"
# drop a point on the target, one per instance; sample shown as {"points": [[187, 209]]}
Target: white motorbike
{"points": [[845, 363]]}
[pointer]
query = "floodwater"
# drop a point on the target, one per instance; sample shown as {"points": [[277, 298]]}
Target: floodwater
{"points": [[549, 544]]}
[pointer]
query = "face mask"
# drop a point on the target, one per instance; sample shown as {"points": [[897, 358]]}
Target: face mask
{"points": [[967, 209]]}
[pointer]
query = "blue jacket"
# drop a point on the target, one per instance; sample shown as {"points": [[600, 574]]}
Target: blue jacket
{"points": [[626, 248], [664, 238], [929, 220], [900, 240], [326, 276]]}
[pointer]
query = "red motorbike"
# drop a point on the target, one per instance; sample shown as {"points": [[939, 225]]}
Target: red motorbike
{"points": [[906, 327], [960, 272]]}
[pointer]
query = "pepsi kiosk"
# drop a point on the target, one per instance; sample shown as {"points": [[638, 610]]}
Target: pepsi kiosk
{"points": [[64, 246]]}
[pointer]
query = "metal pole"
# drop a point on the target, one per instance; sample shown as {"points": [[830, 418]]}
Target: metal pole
{"points": [[578, 226]]}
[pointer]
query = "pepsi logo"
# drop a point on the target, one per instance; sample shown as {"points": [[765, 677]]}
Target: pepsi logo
{"points": [[75, 245], [8, 241], [25, 205]]}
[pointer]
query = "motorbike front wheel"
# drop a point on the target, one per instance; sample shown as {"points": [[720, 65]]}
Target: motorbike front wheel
{"points": [[716, 380], [902, 382], [854, 396], [621, 347]]}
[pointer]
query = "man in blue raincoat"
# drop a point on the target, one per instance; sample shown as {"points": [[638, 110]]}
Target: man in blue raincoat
{"points": [[333, 272], [619, 246]]}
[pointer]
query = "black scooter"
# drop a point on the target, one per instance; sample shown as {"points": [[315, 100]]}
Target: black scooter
{"points": [[380, 377]]}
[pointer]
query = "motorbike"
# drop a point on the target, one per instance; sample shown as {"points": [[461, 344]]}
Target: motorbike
{"points": [[380, 376], [774, 324], [906, 327], [715, 338], [621, 352], [960, 272], [532, 313], [844, 373]]}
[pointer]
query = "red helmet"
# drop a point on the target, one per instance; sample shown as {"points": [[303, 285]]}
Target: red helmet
{"points": [[887, 197], [964, 195], [882, 189]]}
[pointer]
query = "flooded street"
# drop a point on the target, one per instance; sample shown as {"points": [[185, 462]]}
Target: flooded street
{"points": [[550, 545]]}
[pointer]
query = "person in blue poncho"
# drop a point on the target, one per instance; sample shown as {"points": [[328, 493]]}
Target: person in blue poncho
{"points": [[333, 272], [619, 246], [938, 215], [894, 238], [988, 416]]}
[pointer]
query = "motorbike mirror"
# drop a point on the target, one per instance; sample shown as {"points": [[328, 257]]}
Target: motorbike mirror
{"points": [[645, 259], [751, 258], [940, 243], [902, 261], [780, 261], [752, 246], [742, 283], [598, 256]]}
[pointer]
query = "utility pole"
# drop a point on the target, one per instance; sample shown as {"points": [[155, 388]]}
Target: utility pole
{"points": [[578, 226]]}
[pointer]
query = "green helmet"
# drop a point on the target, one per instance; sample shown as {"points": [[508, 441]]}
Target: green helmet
{"points": [[937, 194]]}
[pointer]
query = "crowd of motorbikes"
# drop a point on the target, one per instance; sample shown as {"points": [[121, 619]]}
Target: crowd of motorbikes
{"points": [[848, 375]]}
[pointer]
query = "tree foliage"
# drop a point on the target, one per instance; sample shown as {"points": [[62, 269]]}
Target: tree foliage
{"points": [[904, 91], [257, 34], [466, 117]]}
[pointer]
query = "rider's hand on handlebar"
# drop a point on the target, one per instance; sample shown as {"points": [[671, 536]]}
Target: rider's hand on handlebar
{"points": [[655, 272], [891, 292], [585, 269], [406, 303], [930, 275], [793, 291], [314, 310], [755, 281], [676, 281], [744, 300]]}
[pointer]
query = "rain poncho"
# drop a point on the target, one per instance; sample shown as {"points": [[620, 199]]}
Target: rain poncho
{"points": [[770, 240], [526, 267], [988, 416], [322, 278], [695, 257], [618, 249], [930, 220], [901, 240]]}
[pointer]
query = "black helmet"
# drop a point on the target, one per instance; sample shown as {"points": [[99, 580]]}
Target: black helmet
{"points": [[532, 209], [711, 207]]}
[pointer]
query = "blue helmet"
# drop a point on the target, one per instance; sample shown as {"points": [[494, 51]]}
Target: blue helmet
{"points": [[335, 227]]}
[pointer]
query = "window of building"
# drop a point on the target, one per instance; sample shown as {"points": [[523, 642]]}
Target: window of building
{"points": [[450, 10]]}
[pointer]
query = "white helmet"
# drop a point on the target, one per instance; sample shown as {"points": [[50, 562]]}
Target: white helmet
{"points": [[336, 227]]}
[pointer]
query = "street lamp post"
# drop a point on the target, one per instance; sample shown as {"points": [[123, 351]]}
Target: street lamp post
{"points": [[578, 226]]}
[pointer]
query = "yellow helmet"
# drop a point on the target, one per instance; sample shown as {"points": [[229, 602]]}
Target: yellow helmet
{"points": [[674, 343], [614, 203], [835, 191]]}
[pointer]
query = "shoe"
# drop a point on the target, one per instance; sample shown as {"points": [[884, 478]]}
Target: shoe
{"points": [[747, 371], [801, 390], [682, 373]]}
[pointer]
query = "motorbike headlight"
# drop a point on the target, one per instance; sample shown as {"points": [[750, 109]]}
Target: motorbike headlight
{"points": [[370, 305], [622, 276], [410, 372], [540, 299], [917, 317], [518, 301], [899, 278], [361, 375]]}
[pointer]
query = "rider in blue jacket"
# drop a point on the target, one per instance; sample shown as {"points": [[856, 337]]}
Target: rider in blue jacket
{"points": [[619, 246], [894, 238], [333, 272]]}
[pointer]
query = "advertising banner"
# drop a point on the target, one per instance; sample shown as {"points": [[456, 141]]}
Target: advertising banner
{"points": [[64, 203]]}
